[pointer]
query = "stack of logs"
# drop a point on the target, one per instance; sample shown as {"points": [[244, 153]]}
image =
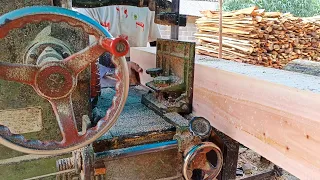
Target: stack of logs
{"points": [[257, 37]]}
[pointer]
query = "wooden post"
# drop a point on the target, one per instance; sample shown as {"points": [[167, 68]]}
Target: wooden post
{"points": [[220, 29]]}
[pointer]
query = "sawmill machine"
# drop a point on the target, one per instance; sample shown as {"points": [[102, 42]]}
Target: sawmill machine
{"points": [[57, 121]]}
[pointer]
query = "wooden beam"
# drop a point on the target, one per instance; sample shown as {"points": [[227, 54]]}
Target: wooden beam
{"points": [[273, 112], [276, 121]]}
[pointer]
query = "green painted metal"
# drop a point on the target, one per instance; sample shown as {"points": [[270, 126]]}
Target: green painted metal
{"points": [[176, 60]]}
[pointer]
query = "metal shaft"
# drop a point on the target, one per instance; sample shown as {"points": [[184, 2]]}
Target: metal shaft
{"points": [[175, 29], [52, 174], [133, 151]]}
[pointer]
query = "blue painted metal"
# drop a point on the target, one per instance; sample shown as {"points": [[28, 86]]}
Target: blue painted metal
{"points": [[194, 149], [136, 150], [34, 10]]}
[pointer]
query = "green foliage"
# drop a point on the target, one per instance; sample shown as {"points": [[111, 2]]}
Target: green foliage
{"points": [[299, 8]]}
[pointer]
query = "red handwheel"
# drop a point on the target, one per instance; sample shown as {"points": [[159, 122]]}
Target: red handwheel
{"points": [[56, 80]]}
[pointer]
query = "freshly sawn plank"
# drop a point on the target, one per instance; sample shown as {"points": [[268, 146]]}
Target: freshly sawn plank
{"points": [[278, 122], [273, 112]]}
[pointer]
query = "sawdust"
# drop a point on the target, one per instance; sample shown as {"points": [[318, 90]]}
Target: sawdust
{"points": [[135, 117], [247, 156]]}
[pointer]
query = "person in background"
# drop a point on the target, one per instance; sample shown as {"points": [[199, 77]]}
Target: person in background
{"points": [[135, 24]]}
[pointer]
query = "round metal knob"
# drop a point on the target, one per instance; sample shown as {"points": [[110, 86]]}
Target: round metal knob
{"points": [[200, 127]]}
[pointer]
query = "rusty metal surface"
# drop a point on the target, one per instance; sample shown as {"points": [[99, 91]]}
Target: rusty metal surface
{"points": [[171, 19], [200, 127], [95, 82], [94, 163], [136, 125], [14, 95], [167, 13], [63, 77], [186, 141], [132, 140], [9, 5], [61, 103], [176, 59], [146, 167], [203, 161], [36, 18], [87, 163], [121, 153]]}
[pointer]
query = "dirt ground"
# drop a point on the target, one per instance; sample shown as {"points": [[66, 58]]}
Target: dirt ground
{"points": [[251, 163]]}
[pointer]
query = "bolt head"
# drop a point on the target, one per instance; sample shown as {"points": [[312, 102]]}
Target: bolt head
{"points": [[33, 56], [65, 55], [200, 127], [121, 47]]}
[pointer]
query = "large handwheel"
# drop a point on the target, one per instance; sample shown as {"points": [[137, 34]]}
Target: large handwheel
{"points": [[56, 80]]}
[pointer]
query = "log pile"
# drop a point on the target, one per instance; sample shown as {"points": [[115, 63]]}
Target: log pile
{"points": [[257, 37]]}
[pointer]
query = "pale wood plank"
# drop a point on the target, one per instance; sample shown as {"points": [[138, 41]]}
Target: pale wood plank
{"points": [[275, 116], [278, 122]]}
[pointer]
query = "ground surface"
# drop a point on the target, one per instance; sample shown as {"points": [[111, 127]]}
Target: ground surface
{"points": [[249, 157]]}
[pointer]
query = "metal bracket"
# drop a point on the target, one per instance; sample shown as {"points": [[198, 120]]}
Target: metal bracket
{"points": [[173, 18], [173, 79]]}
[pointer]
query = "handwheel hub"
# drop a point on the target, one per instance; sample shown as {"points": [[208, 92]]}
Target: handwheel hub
{"points": [[55, 79], [54, 82]]}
